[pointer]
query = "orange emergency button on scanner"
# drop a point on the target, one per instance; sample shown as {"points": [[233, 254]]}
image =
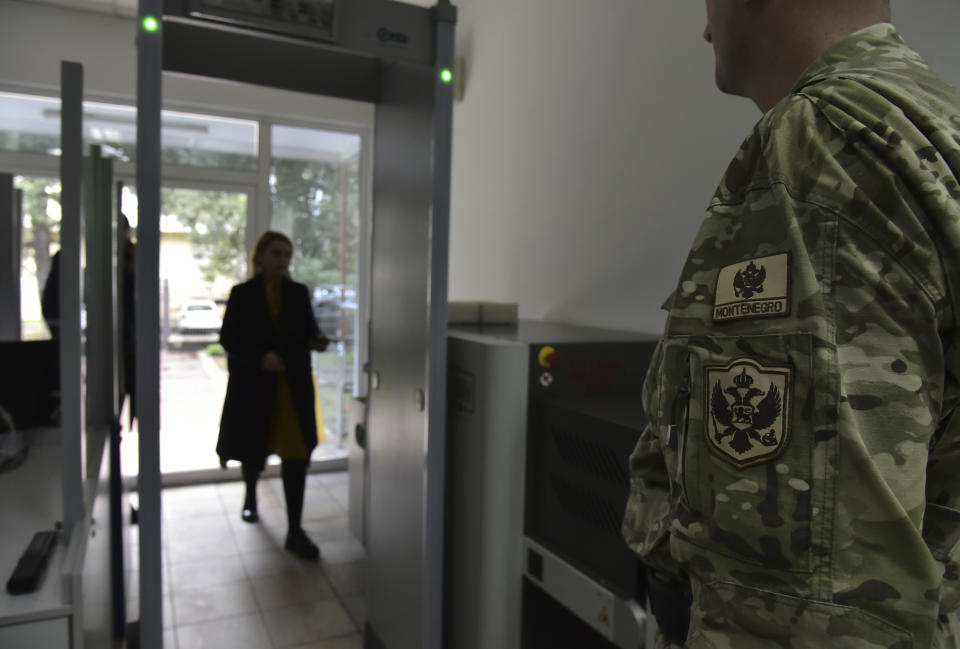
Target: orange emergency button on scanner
{"points": [[548, 356]]}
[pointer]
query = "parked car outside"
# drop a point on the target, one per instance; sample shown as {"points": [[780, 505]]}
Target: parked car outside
{"points": [[199, 316], [329, 304]]}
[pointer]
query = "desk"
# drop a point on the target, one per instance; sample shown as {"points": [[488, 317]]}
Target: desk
{"points": [[30, 501]]}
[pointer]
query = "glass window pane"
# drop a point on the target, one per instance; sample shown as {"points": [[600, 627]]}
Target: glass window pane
{"points": [[314, 185], [113, 127], [41, 239], [206, 141], [32, 124]]}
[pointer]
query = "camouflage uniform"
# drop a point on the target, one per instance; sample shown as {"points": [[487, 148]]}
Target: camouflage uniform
{"points": [[802, 464]]}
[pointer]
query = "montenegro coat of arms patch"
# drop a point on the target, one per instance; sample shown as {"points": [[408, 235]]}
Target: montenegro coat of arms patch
{"points": [[747, 411]]}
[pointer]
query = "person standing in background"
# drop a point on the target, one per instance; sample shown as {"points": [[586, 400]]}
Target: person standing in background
{"points": [[797, 486], [268, 332]]}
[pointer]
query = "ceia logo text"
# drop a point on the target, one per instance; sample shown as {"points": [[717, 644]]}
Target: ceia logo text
{"points": [[384, 35]]}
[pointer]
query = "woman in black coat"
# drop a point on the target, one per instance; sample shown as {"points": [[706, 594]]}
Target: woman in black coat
{"points": [[268, 332]]}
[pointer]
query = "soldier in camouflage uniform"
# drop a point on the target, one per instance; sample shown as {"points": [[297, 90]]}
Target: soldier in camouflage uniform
{"points": [[801, 469]]}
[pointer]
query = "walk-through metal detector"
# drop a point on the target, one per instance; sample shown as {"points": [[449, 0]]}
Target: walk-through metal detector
{"points": [[399, 57]]}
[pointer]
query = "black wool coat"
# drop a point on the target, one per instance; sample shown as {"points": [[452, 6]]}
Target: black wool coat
{"points": [[247, 334]]}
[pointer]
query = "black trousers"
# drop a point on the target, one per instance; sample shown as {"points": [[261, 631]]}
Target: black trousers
{"points": [[294, 476]]}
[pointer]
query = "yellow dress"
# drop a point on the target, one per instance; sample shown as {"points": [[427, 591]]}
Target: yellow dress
{"points": [[285, 437]]}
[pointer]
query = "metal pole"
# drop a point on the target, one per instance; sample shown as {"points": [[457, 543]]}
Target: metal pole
{"points": [[72, 426], [10, 235], [445, 18], [165, 325], [341, 325], [149, 98]]}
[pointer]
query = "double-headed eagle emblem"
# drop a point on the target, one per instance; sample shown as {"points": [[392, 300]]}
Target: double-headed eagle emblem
{"points": [[741, 421], [749, 281]]}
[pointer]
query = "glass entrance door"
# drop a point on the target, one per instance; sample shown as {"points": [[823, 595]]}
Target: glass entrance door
{"points": [[203, 249], [41, 239], [202, 244], [315, 179]]}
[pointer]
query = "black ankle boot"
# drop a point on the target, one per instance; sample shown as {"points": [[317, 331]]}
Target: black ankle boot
{"points": [[250, 475], [249, 513], [300, 544]]}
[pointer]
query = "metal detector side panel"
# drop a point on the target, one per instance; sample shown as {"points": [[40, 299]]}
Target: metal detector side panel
{"points": [[408, 351], [399, 347]]}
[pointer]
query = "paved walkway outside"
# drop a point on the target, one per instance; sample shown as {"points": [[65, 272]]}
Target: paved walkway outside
{"points": [[192, 387]]}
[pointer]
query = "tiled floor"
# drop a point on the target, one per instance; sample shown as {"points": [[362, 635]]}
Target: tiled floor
{"points": [[230, 584]]}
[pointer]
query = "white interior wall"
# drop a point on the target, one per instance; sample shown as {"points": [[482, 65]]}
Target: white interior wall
{"points": [[588, 143]]}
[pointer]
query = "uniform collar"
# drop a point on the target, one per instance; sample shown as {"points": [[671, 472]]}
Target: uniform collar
{"points": [[858, 51]]}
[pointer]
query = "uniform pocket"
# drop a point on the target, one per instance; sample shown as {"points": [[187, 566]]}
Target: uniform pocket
{"points": [[673, 407], [941, 533], [728, 615], [747, 476]]}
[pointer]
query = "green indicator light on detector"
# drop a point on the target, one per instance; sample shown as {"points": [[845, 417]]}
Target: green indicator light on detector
{"points": [[446, 75], [150, 24]]}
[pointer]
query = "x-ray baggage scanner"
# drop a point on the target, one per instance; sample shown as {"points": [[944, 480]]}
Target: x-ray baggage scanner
{"points": [[541, 421], [399, 57]]}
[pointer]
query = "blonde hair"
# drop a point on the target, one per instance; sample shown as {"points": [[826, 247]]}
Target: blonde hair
{"points": [[263, 242]]}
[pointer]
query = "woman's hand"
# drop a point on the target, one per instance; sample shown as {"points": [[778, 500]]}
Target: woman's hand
{"points": [[319, 342], [272, 362]]}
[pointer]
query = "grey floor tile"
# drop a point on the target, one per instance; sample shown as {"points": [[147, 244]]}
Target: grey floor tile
{"points": [[329, 529], [298, 625], [342, 551], [230, 584], [213, 603], [230, 490], [231, 497], [340, 493], [317, 490], [194, 525], [190, 493], [280, 591], [328, 479], [213, 544], [248, 632], [347, 578], [356, 606], [198, 506], [189, 509], [266, 563], [314, 508], [206, 573], [274, 518], [254, 537], [346, 642]]}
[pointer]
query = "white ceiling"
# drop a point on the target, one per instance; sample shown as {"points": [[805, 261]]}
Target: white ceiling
{"points": [[128, 8]]}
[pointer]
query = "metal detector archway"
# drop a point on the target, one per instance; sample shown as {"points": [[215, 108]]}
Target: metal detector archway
{"points": [[393, 55]]}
